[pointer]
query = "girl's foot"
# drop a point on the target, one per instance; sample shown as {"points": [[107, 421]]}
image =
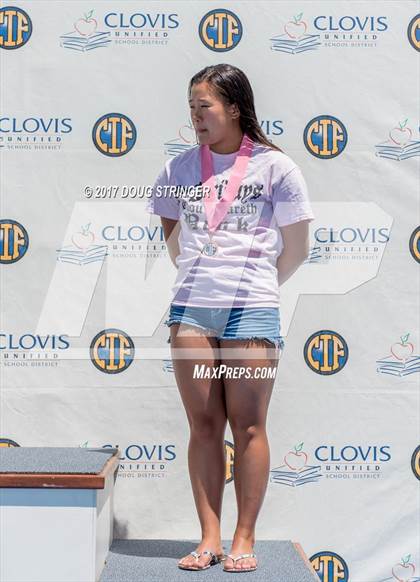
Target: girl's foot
{"points": [[190, 561], [240, 546]]}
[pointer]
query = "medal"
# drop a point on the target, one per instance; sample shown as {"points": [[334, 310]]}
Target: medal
{"points": [[210, 248], [216, 210]]}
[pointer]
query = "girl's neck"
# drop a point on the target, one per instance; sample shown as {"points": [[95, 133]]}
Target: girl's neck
{"points": [[229, 145]]}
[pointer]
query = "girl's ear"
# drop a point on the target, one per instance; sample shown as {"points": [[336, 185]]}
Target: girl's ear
{"points": [[234, 111]]}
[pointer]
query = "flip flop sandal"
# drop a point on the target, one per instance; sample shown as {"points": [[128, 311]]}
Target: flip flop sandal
{"points": [[239, 558], [214, 560]]}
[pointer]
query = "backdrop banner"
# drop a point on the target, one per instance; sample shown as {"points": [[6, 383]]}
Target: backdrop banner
{"points": [[93, 103]]}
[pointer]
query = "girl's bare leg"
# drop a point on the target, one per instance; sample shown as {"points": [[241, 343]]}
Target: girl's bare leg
{"points": [[205, 407], [247, 402]]}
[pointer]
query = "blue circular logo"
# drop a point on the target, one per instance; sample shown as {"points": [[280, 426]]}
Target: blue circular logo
{"points": [[326, 352], [112, 351], [330, 567], [114, 134], [14, 241], [325, 137], [414, 244], [220, 30], [15, 27], [413, 32]]}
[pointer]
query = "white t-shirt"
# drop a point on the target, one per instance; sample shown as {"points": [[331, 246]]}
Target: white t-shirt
{"points": [[243, 271]]}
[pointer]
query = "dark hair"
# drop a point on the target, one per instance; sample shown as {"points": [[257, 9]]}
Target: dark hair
{"points": [[233, 86]]}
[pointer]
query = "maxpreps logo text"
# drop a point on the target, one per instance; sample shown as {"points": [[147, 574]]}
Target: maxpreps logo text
{"points": [[34, 133], [120, 28]]}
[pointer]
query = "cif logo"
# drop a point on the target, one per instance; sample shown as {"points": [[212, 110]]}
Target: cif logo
{"points": [[413, 32], [15, 27], [326, 352], [229, 456], [330, 567], [114, 134], [325, 136], [14, 241], [8, 443], [414, 244], [415, 462], [220, 30], [112, 351]]}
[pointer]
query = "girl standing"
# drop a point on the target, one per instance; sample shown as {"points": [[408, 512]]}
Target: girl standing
{"points": [[232, 248]]}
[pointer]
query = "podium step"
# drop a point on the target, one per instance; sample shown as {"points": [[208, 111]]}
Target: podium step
{"points": [[156, 560]]}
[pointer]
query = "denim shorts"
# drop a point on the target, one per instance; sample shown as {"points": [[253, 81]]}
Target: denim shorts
{"points": [[231, 322]]}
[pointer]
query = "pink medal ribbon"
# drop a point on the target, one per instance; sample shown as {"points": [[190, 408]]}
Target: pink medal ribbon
{"points": [[215, 209]]}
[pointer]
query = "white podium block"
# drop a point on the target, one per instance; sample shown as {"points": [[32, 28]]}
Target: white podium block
{"points": [[55, 526]]}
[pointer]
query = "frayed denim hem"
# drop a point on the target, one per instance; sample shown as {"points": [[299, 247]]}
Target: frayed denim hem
{"points": [[278, 342], [170, 322]]}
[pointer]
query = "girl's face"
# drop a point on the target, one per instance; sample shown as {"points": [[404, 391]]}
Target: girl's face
{"points": [[213, 120]]}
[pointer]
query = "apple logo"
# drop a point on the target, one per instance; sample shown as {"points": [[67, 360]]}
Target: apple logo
{"points": [[86, 26], [83, 240], [297, 28], [401, 135], [187, 133], [404, 571], [299, 460], [402, 350]]}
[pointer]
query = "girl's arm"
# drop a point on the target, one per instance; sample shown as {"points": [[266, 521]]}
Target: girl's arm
{"points": [[296, 249], [171, 230]]}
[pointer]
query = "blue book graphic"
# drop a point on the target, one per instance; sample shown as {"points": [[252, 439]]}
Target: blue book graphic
{"points": [[82, 257], [285, 44], [401, 368], [285, 476], [388, 149], [73, 40]]}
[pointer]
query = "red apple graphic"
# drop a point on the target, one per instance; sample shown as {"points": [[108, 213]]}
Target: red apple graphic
{"points": [[401, 135], [87, 25], [404, 571], [402, 350], [299, 458], [187, 133], [83, 240], [297, 28]]}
